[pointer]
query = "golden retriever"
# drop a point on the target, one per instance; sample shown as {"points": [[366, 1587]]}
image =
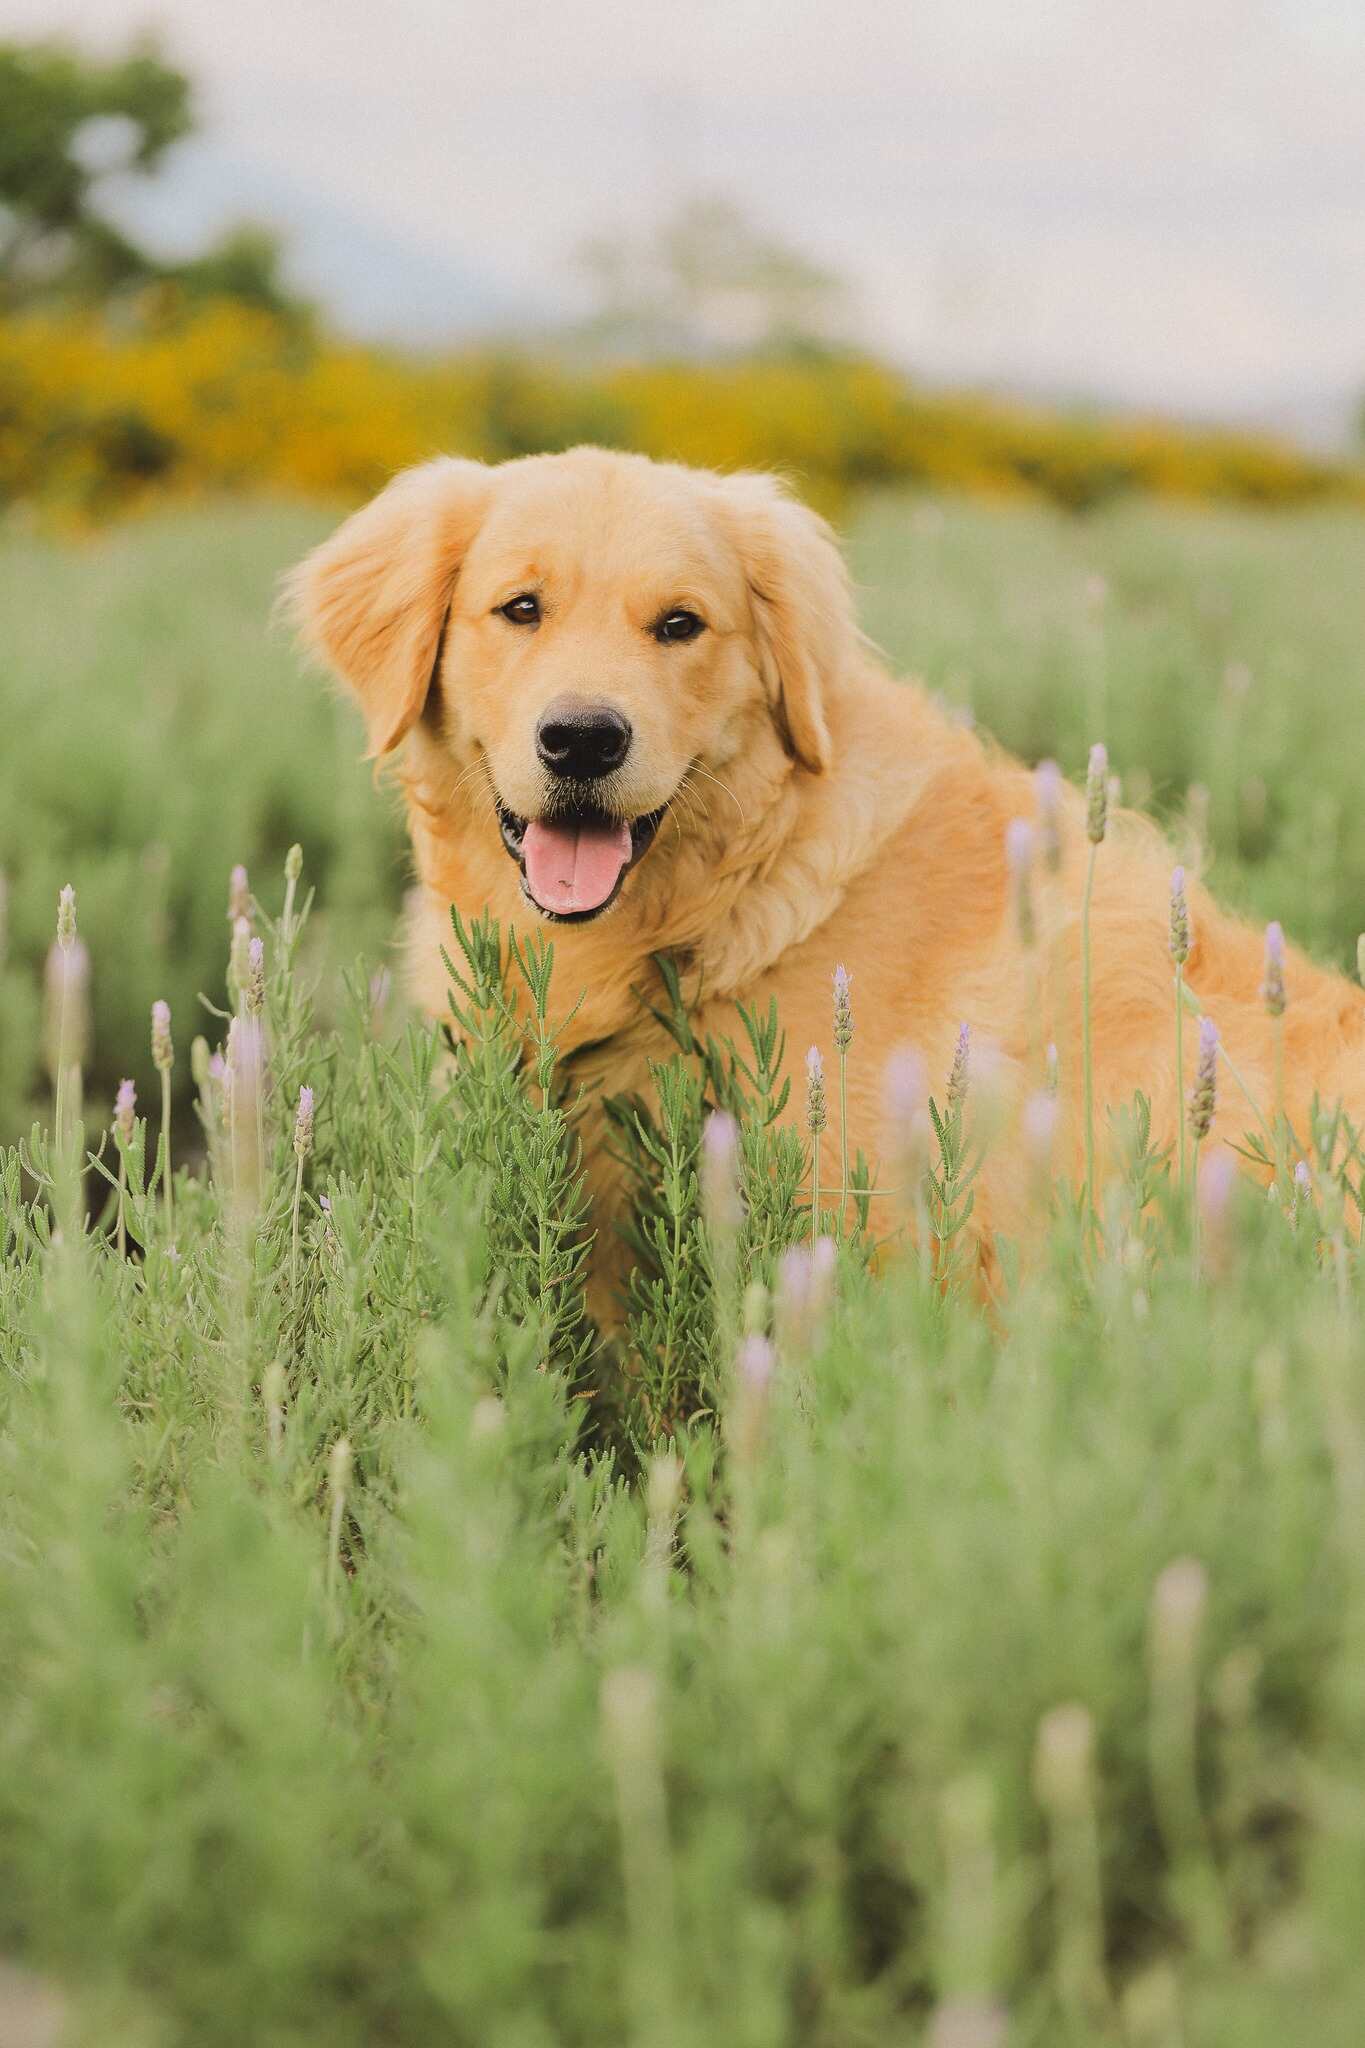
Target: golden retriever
{"points": [[633, 701]]}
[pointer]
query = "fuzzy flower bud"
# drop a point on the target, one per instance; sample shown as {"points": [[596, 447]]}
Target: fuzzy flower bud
{"points": [[1019, 843], [1204, 1094], [1097, 793], [843, 1009], [905, 1092], [66, 918], [1041, 1113], [720, 1174], [66, 998], [303, 1124], [961, 1071], [1272, 987], [816, 1115], [1063, 1758], [239, 957], [239, 896], [1047, 782], [755, 1362], [125, 1111], [1180, 919], [253, 993], [293, 864], [163, 1052]]}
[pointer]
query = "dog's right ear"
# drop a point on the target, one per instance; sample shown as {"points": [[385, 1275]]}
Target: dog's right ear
{"points": [[372, 601]]}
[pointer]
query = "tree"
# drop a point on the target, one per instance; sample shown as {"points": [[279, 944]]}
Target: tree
{"points": [[710, 281], [68, 125]]}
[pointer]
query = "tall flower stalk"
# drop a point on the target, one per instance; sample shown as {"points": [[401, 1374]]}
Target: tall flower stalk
{"points": [[1275, 998], [163, 1059], [125, 1127], [1180, 953], [906, 1093], [253, 1003], [303, 1145], [817, 1116], [1096, 821], [843, 1038], [1203, 1106], [67, 976]]}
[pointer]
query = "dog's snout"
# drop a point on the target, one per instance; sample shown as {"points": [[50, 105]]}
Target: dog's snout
{"points": [[581, 739]]}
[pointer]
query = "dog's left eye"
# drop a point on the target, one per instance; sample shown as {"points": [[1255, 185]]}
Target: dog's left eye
{"points": [[523, 610], [679, 625]]}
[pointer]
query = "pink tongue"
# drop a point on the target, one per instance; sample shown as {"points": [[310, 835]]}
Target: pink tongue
{"points": [[574, 867]]}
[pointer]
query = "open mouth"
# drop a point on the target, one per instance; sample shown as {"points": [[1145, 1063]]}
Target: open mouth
{"points": [[572, 866]]}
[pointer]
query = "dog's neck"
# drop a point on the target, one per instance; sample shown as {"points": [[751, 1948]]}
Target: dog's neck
{"points": [[754, 856]]}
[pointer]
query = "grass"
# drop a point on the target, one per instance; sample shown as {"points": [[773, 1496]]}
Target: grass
{"points": [[384, 1663]]}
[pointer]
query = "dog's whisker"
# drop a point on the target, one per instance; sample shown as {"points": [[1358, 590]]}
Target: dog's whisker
{"points": [[693, 799], [697, 769]]}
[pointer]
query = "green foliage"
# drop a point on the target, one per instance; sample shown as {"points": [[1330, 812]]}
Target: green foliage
{"points": [[944, 1672], [55, 239], [707, 1709], [519, 1136], [68, 123]]}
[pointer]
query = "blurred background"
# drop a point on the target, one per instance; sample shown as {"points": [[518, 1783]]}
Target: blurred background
{"points": [[1058, 313]]}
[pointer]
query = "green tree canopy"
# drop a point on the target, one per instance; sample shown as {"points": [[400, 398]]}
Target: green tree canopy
{"points": [[69, 125]]}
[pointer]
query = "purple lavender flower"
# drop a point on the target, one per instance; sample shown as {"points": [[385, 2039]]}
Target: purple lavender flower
{"points": [[239, 895], [1019, 844], [755, 1362], [303, 1124], [163, 1051], [1041, 1113], [961, 1070], [1047, 782], [1097, 793], [720, 1173], [1204, 1094], [1273, 993], [1180, 919], [816, 1113], [253, 992], [843, 1009], [903, 1085], [1216, 1182], [125, 1111]]}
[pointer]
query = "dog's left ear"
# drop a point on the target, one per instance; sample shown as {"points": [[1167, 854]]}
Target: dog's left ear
{"points": [[802, 607], [372, 600]]}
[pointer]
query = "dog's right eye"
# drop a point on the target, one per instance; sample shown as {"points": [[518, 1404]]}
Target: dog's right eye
{"points": [[523, 610]]}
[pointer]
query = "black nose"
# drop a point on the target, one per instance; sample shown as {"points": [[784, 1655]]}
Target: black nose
{"points": [[580, 739]]}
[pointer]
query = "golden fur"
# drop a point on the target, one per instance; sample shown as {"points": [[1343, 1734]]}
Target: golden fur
{"points": [[818, 810]]}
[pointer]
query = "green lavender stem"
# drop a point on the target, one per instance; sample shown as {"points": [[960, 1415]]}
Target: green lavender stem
{"points": [[1086, 1058], [165, 1149], [294, 1231], [1180, 1068], [843, 1126], [814, 1186]]}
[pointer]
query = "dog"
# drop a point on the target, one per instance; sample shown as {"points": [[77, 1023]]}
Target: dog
{"points": [[633, 704]]}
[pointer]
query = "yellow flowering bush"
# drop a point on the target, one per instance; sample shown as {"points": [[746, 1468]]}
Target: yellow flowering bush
{"points": [[97, 416]]}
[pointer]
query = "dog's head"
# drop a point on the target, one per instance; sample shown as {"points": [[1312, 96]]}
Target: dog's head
{"points": [[583, 630]]}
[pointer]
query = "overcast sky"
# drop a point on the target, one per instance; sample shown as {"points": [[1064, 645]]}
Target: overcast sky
{"points": [[1161, 201]]}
